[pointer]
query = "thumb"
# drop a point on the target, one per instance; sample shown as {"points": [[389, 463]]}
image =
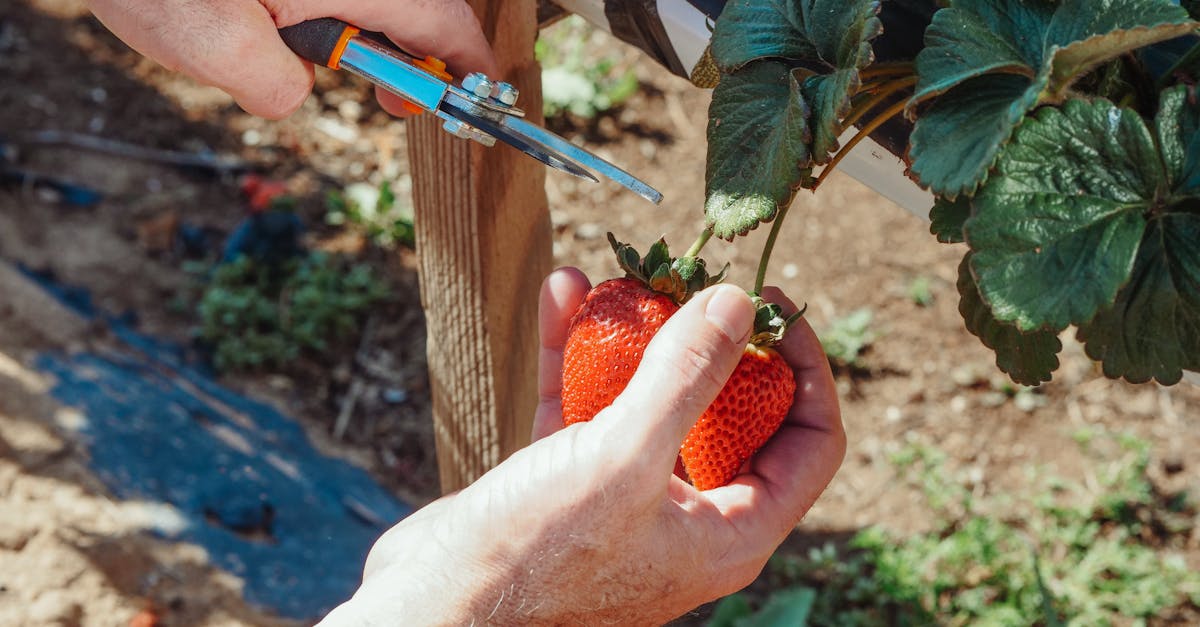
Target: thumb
{"points": [[683, 369]]}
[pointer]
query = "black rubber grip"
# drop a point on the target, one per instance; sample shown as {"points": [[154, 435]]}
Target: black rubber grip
{"points": [[316, 40]]}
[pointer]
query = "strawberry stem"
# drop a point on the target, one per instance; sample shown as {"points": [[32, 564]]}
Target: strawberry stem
{"points": [[699, 243], [886, 69], [871, 127], [895, 77], [768, 248], [886, 90]]}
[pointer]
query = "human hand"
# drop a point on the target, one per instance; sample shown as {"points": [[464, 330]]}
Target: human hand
{"points": [[589, 524], [235, 44]]}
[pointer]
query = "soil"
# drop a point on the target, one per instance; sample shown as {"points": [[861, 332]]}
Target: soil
{"points": [[72, 554]]}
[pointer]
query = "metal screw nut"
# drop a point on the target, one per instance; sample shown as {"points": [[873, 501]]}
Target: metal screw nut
{"points": [[478, 84], [507, 94]]}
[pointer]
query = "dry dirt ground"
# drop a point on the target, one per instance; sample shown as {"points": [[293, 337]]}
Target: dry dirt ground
{"points": [[72, 554]]}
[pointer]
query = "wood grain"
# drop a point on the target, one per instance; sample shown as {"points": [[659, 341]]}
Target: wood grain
{"points": [[484, 241]]}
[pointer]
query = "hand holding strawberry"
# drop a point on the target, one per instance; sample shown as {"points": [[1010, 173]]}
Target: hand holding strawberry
{"points": [[588, 525], [617, 320]]}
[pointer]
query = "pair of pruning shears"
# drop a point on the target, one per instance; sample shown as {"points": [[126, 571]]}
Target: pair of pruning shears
{"points": [[475, 108]]}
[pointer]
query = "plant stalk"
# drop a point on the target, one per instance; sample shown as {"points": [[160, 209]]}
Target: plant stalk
{"points": [[1189, 57], [871, 127], [886, 69], [886, 91], [769, 247], [699, 243]]}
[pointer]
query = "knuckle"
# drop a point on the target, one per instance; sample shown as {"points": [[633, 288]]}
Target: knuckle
{"points": [[695, 366]]}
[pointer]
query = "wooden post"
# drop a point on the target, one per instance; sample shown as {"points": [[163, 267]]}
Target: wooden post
{"points": [[484, 242]]}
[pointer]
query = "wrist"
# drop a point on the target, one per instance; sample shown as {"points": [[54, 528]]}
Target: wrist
{"points": [[436, 567]]}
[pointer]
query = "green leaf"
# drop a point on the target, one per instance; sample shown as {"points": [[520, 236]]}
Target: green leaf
{"points": [[1056, 232], [975, 38], [757, 147], [1178, 132], [980, 52], [1153, 329], [749, 30], [955, 142], [1086, 33], [657, 257], [789, 608], [729, 611], [829, 38], [832, 31], [1063, 40], [829, 95], [947, 217], [1028, 358]]}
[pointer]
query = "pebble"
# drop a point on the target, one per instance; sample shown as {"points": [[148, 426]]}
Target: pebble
{"points": [[1027, 401], [993, 399], [350, 110], [958, 404], [336, 129], [893, 414], [251, 137], [559, 218], [790, 271], [589, 231], [965, 376]]}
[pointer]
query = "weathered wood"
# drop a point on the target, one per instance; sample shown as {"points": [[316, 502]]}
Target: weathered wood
{"points": [[484, 242]]}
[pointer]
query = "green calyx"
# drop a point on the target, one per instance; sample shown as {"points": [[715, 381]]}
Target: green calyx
{"points": [[770, 325], [680, 278]]}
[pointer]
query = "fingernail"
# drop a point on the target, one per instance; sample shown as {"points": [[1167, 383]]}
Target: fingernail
{"points": [[730, 309]]}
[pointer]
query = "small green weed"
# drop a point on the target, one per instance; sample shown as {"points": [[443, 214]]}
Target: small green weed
{"points": [[255, 315], [1069, 556], [578, 78], [847, 337], [384, 215], [920, 291]]}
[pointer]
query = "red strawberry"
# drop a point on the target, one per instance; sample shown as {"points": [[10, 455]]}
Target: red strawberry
{"points": [[748, 410], [608, 335], [612, 327], [746, 413]]}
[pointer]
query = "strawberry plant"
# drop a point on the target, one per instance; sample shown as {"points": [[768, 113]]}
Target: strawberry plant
{"points": [[1061, 139], [253, 314]]}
